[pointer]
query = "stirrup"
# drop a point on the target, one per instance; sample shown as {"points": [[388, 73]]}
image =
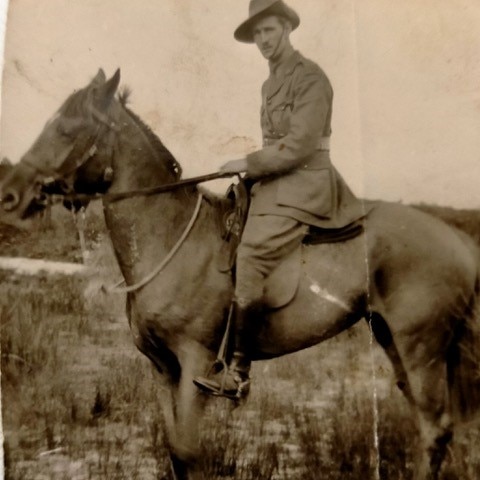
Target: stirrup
{"points": [[216, 390], [217, 387]]}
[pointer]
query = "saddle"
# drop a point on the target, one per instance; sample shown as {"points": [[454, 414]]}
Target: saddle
{"points": [[282, 284]]}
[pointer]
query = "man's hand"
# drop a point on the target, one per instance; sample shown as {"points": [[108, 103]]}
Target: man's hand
{"points": [[235, 166]]}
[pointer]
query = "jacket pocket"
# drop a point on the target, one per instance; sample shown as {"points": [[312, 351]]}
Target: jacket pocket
{"points": [[280, 115]]}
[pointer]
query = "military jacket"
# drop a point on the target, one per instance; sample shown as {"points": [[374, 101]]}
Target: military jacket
{"points": [[295, 177]]}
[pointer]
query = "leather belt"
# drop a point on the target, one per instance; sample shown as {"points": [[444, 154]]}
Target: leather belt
{"points": [[323, 143]]}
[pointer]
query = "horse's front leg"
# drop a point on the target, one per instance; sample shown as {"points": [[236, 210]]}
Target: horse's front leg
{"points": [[182, 410], [188, 410], [181, 405]]}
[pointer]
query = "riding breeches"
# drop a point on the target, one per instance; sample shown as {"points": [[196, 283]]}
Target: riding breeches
{"points": [[266, 240]]}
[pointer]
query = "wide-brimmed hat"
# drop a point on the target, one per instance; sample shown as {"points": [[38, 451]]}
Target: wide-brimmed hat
{"points": [[261, 8]]}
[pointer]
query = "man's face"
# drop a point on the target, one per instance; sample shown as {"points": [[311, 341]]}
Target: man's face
{"points": [[271, 36]]}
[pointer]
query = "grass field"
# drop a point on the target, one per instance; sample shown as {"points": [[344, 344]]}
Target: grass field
{"points": [[79, 402]]}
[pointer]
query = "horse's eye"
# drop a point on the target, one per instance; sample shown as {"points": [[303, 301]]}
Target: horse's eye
{"points": [[65, 130], [61, 130]]}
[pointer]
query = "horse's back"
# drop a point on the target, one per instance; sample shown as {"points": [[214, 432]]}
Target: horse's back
{"points": [[398, 242], [405, 234]]}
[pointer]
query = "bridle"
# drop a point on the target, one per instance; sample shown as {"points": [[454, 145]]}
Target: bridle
{"points": [[63, 178]]}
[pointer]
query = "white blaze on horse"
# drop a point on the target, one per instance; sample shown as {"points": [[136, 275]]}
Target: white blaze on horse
{"points": [[412, 276]]}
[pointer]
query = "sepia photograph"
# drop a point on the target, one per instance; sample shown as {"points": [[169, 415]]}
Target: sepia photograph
{"points": [[240, 240]]}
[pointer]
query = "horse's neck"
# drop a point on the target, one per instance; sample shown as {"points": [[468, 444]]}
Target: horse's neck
{"points": [[143, 229], [136, 162]]}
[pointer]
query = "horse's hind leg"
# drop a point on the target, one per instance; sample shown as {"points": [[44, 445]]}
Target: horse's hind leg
{"points": [[423, 355], [383, 335], [435, 423]]}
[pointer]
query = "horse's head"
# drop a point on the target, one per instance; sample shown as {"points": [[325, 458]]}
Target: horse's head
{"points": [[65, 157]]}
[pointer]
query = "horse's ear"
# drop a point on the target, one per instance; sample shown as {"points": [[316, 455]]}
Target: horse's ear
{"points": [[99, 77], [106, 92]]}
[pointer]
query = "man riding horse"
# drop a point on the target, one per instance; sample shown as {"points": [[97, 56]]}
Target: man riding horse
{"points": [[295, 183]]}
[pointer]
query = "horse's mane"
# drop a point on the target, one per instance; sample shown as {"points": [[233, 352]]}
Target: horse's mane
{"points": [[75, 104], [163, 152]]}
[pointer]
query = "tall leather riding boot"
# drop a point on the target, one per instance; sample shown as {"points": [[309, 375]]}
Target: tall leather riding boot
{"points": [[234, 383]]}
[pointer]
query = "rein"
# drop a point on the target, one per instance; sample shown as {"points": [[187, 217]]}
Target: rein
{"points": [[152, 191], [131, 288], [115, 197]]}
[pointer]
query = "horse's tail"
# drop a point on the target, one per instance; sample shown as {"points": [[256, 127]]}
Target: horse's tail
{"points": [[463, 361]]}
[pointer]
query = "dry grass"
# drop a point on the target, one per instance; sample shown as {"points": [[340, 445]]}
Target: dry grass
{"points": [[79, 402]]}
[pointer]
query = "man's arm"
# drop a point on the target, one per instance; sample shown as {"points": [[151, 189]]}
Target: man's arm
{"points": [[235, 166]]}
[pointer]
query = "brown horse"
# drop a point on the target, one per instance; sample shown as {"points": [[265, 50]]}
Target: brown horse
{"points": [[410, 275]]}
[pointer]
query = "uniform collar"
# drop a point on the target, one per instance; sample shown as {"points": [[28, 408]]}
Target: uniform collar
{"points": [[279, 72], [284, 65]]}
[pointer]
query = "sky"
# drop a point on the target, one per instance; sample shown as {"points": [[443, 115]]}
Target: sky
{"points": [[406, 118]]}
